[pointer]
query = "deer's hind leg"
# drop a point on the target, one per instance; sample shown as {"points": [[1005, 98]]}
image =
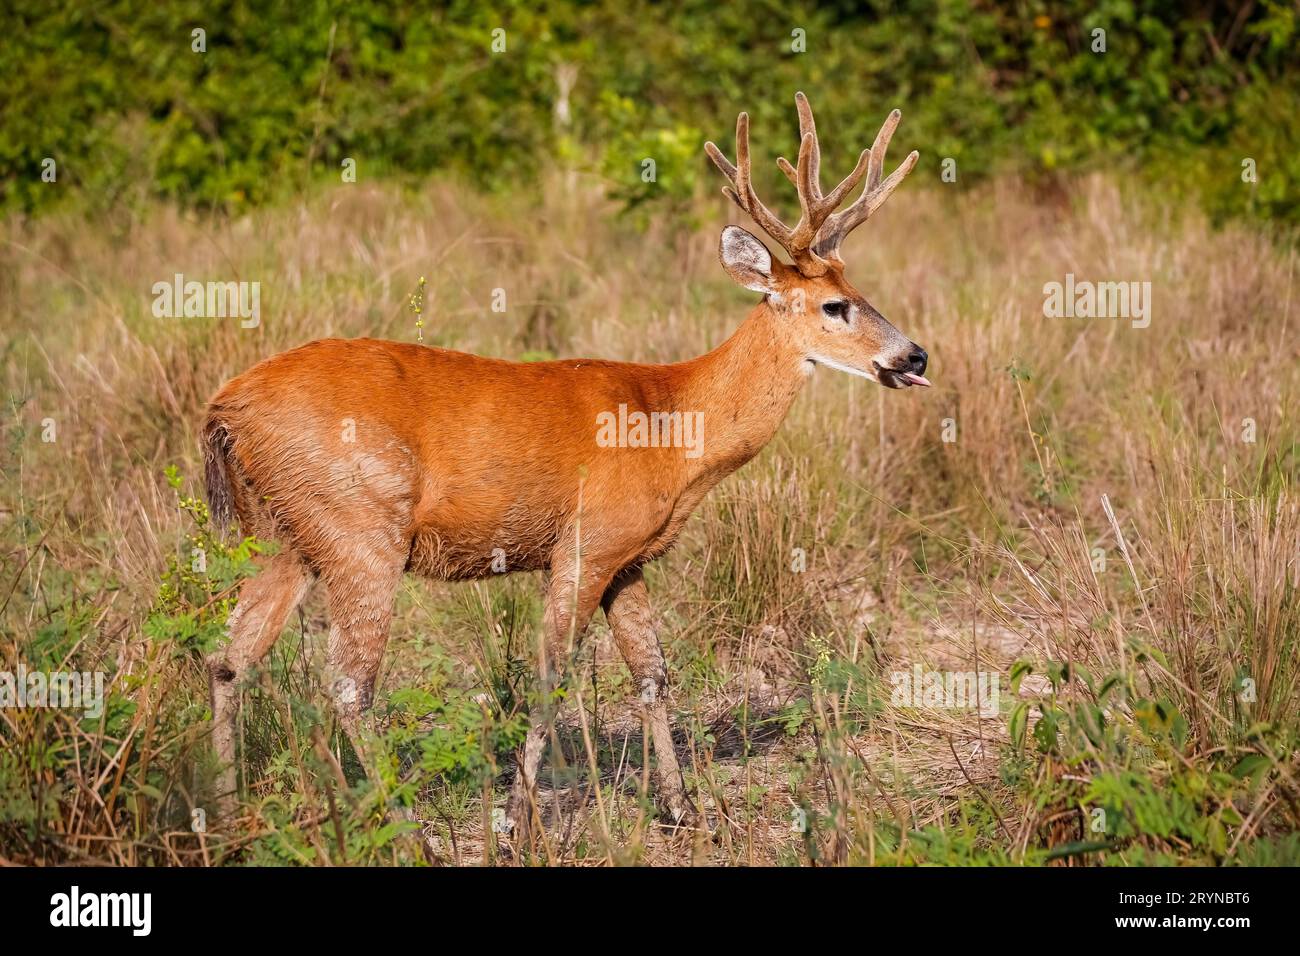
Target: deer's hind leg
{"points": [[361, 596], [265, 602], [361, 613]]}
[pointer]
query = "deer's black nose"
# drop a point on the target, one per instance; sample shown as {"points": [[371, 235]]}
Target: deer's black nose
{"points": [[917, 360]]}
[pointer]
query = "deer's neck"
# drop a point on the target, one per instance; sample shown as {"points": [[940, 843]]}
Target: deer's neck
{"points": [[744, 388]]}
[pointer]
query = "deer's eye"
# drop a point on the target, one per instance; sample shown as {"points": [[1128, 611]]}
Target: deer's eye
{"points": [[836, 309]]}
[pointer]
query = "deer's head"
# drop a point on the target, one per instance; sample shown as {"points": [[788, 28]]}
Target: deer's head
{"points": [[826, 318]]}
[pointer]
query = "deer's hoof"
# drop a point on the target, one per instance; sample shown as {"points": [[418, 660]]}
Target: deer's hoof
{"points": [[680, 813]]}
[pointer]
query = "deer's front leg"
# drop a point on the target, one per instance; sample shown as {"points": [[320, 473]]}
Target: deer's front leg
{"points": [[573, 593], [627, 607]]}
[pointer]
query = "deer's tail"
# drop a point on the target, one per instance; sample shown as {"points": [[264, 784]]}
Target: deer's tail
{"points": [[216, 470]]}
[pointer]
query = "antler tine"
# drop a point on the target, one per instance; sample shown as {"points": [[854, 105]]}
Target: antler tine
{"points": [[879, 145], [807, 125], [742, 183], [873, 195], [808, 128], [808, 190]]}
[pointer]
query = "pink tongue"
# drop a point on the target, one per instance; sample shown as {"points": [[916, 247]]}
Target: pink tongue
{"points": [[915, 379]]}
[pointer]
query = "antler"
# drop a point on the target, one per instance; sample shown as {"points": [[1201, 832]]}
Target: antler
{"points": [[815, 239]]}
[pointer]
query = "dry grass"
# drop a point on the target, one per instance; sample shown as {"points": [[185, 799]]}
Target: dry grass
{"points": [[945, 553]]}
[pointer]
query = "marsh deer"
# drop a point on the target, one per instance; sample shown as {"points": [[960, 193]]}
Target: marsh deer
{"points": [[366, 459]]}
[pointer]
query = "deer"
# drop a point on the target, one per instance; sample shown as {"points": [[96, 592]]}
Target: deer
{"points": [[367, 459]]}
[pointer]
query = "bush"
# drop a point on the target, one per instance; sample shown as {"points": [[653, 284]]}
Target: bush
{"points": [[118, 97]]}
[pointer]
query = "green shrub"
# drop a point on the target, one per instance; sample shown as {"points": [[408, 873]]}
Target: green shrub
{"points": [[117, 96]]}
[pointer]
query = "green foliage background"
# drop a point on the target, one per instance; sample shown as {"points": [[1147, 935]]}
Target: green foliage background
{"points": [[285, 91]]}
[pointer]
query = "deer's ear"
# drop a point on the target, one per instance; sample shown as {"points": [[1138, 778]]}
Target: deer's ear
{"points": [[746, 260]]}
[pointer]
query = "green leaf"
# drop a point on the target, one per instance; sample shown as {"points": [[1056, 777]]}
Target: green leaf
{"points": [[1109, 684], [1018, 671], [1252, 766], [1017, 722]]}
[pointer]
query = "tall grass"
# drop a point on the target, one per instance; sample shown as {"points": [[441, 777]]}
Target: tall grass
{"points": [[1116, 509]]}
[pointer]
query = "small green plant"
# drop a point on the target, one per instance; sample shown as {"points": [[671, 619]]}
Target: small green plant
{"points": [[198, 587], [1125, 764], [416, 304]]}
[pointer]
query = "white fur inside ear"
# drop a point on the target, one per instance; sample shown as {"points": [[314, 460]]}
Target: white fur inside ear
{"points": [[746, 259]]}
